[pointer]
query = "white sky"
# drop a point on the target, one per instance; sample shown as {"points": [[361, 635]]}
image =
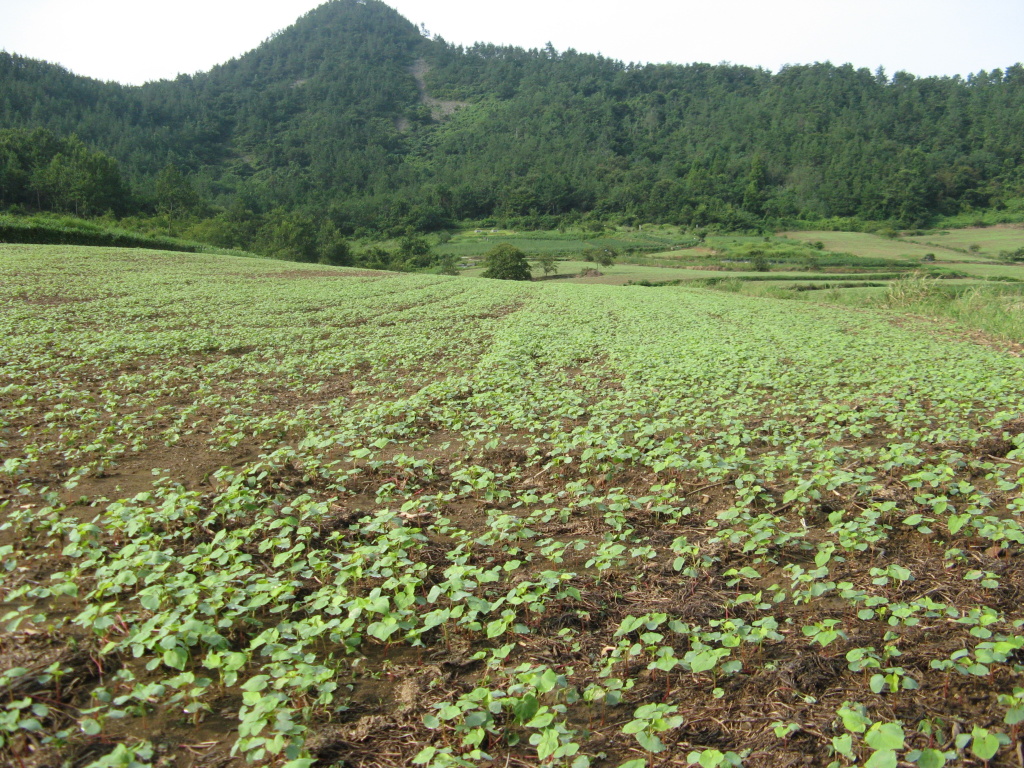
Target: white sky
{"points": [[133, 41]]}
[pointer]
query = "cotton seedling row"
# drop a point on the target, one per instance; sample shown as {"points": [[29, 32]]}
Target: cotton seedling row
{"points": [[286, 515]]}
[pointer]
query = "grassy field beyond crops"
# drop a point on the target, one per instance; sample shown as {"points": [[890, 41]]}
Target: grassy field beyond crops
{"points": [[299, 515]]}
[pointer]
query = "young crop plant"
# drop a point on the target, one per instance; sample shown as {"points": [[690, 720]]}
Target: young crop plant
{"points": [[649, 721], [713, 758]]}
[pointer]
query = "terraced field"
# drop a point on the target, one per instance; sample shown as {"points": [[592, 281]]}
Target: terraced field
{"points": [[296, 515], [973, 251], [861, 265], [974, 241], [875, 246]]}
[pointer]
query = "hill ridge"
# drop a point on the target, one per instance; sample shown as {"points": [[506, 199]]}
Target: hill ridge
{"points": [[344, 116]]}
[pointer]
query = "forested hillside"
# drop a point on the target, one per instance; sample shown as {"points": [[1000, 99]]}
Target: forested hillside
{"points": [[352, 122]]}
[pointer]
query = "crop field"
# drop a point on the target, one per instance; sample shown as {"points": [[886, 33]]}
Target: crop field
{"points": [[989, 240], [992, 270], [619, 274], [868, 245], [813, 255], [474, 244], [945, 245], [291, 515], [692, 255]]}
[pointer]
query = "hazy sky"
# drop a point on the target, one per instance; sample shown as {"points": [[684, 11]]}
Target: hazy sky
{"points": [[132, 41]]}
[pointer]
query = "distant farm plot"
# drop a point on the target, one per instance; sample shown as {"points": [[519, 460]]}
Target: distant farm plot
{"points": [[624, 272], [569, 270], [871, 246], [976, 241], [472, 244], [845, 267], [975, 244], [992, 270], [617, 274]]}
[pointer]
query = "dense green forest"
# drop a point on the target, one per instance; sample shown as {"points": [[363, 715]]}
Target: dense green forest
{"points": [[352, 122]]}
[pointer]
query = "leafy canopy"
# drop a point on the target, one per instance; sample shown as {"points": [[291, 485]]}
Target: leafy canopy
{"points": [[506, 262]]}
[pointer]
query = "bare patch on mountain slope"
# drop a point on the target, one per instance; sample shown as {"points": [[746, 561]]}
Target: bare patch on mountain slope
{"points": [[439, 109]]}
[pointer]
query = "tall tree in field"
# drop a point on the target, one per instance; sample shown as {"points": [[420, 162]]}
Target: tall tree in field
{"points": [[548, 263], [506, 262]]}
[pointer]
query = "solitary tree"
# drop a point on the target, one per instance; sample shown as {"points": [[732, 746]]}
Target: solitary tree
{"points": [[506, 262], [447, 264], [548, 263], [414, 252], [603, 257], [759, 261]]}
